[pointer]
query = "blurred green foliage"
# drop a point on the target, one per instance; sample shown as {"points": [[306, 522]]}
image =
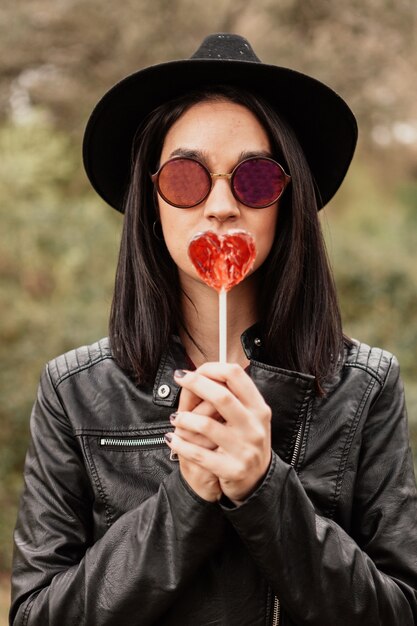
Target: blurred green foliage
{"points": [[372, 239], [57, 259]]}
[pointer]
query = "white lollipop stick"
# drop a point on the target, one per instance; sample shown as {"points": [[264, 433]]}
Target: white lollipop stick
{"points": [[223, 326]]}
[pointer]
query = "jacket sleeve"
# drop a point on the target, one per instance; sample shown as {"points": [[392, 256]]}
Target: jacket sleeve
{"points": [[321, 575], [131, 575]]}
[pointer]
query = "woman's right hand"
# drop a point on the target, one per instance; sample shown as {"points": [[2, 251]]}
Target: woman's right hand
{"points": [[204, 483]]}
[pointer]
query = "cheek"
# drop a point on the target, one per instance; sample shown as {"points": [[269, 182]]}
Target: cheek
{"points": [[265, 236], [164, 217], [168, 228]]}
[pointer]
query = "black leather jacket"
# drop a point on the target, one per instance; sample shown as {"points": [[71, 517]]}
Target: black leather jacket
{"points": [[109, 533]]}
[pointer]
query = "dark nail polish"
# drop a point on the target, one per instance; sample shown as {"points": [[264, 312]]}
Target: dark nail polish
{"points": [[172, 417], [179, 373], [168, 437]]}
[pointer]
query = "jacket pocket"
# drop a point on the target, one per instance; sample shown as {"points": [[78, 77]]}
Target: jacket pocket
{"points": [[126, 468]]}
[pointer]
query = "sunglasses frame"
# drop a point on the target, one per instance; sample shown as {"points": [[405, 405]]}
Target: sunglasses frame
{"points": [[212, 176]]}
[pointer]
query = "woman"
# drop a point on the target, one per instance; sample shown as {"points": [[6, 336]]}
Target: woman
{"points": [[286, 493]]}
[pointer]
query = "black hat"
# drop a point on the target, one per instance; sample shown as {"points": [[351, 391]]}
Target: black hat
{"points": [[325, 126]]}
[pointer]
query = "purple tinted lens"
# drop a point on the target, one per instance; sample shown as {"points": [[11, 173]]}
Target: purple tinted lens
{"points": [[183, 182], [258, 182]]}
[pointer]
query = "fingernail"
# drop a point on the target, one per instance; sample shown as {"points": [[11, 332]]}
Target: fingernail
{"points": [[168, 437], [172, 417], [179, 373]]}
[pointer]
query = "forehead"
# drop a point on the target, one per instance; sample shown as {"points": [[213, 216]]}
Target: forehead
{"points": [[219, 128]]}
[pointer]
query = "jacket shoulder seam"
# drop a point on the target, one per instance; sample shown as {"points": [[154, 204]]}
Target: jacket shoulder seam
{"points": [[367, 369], [375, 361], [80, 368], [76, 361]]}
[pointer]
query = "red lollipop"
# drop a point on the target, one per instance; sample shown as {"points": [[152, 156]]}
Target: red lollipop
{"points": [[222, 261]]}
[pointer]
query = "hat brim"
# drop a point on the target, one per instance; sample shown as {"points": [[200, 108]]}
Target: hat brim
{"points": [[323, 123]]}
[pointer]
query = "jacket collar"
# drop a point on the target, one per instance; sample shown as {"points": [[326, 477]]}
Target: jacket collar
{"points": [[165, 389], [288, 393]]}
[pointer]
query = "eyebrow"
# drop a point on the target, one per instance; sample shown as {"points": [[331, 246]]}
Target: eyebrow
{"points": [[190, 153], [202, 155]]}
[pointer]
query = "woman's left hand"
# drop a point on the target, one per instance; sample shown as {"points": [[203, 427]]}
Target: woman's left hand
{"points": [[242, 443]]}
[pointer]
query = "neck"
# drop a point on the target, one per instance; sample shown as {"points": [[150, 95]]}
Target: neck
{"points": [[200, 306]]}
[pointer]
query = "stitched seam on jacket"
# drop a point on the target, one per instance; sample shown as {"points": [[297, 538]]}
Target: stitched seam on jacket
{"points": [[96, 478], [383, 383], [161, 369], [155, 429], [160, 375], [59, 399], [345, 454], [79, 369], [258, 491], [305, 378], [303, 443], [268, 605], [368, 352], [366, 369], [28, 608], [302, 413]]}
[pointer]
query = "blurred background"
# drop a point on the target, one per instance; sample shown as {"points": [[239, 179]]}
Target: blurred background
{"points": [[59, 242]]}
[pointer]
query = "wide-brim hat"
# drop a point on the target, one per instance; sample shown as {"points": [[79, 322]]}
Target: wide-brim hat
{"points": [[322, 121]]}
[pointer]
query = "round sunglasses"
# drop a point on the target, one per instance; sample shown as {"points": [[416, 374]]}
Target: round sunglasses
{"points": [[185, 182]]}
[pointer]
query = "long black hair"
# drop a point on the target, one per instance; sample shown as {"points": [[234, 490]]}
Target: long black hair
{"points": [[298, 303]]}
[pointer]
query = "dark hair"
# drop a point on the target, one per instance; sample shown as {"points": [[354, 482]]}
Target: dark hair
{"points": [[298, 302]]}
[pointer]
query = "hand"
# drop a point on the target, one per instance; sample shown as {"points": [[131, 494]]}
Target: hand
{"points": [[240, 447], [202, 481]]}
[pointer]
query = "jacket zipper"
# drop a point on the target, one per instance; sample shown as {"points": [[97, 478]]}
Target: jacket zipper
{"points": [[276, 611], [135, 442], [151, 441]]}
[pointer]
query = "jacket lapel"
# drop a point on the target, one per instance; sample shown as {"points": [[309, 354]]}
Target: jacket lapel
{"points": [[288, 394]]}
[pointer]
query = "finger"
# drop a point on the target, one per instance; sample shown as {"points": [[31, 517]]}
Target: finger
{"points": [[221, 398], [211, 430], [207, 459], [236, 379], [233, 440], [206, 408], [237, 478], [190, 401], [197, 438]]}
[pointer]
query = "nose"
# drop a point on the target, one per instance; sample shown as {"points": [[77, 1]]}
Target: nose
{"points": [[221, 204]]}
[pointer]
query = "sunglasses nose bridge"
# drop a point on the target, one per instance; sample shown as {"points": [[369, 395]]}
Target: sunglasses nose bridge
{"points": [[221, 202], [213, 176]]}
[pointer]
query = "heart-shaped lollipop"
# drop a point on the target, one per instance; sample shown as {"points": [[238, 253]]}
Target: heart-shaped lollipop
{"points": [[222, 261]]}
